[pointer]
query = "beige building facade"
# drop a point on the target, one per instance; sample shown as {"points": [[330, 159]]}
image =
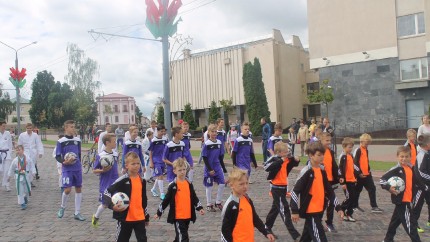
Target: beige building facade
{"points": [[116, 109], [216, 74], [375, 54], [24, 113]]}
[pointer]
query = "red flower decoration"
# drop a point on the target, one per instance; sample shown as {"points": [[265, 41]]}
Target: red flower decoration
{"points": [[17, 75]]}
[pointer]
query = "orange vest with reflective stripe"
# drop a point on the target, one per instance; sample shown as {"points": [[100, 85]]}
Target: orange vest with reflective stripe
{"points": [[182, 200]]}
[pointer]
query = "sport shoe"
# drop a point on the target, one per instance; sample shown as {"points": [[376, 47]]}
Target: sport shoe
{"points": [[420, 230], [79, 217], [331, 228], [7, 188], [359, 209], [95, 221], [60, 213], [162, 196], [210, 208], [377, 210], [25, 200], [37, 177], [23, 206], [154, 192], [349, 219], [219, 206], [32, 185]]}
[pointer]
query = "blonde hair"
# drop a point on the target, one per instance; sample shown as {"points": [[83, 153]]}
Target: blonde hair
{"points": [[236, 174], [411, 132], [403, 149], [131, 156], [347, 141], [280, 146], [325, 135], [180, 162], [365, 137]]}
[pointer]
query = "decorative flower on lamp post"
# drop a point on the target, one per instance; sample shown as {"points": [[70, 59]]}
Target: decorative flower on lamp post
{"points": [[17, 77], [161, 20]]}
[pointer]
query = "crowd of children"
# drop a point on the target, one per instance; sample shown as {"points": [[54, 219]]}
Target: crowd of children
{"points": [[311, 194]]}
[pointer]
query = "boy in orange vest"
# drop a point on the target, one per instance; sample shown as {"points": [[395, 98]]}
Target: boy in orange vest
{"points": [[361, 159]]}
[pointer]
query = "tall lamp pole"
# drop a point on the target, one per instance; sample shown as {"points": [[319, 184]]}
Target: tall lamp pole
{"points": [[18, 101]]}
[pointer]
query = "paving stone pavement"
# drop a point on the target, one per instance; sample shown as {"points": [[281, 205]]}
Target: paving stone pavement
{"points": [[40, 223]]}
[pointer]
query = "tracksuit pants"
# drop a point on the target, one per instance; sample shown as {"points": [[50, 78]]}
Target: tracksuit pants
{"points": [[330, 210], [313, 229], [418, 202], [402, 215], [181, 230], [367, 183], [280, 206], [124, 230], [348, 203]]}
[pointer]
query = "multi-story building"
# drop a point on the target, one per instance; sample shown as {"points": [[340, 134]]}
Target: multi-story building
{"points": [[24, 113], [216, 74], [116, 109], [375, 54]]}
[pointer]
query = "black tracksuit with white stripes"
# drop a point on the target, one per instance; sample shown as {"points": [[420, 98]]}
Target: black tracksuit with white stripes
{"points": [[313, 229], [422, 172], [403, 214]]}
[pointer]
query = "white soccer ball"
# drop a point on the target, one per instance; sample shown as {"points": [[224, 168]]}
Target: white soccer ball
{"points": [[397, 183], [69, 155], [106, 160], [121, 199]]}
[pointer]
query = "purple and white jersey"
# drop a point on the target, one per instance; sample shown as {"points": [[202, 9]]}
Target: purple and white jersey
{"points": [[221, 135], [173, 151], [107, 178], [157, 148], [272, 141], [69, 144], [187, 141], [132, 146], [243, 147], [212, 151]]}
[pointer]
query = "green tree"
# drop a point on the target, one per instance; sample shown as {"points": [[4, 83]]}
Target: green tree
{"points": [[255, 95], [81, 75], [41, 88], [188, 116], [323, 95], [160, 114], [214, 113], [227, 105], [6, 106], [138, 114], [60, 105]]}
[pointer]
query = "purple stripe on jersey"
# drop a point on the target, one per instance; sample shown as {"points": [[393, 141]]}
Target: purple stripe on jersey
{"points": [[107, 178], [157, 148], [173, 151], [187, 139], [272, 141], [212, 151], [132, 146], [243, 148]]}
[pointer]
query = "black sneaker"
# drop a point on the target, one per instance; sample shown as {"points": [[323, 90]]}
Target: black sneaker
{"points": [[376, 210], [219, 206], [210, 208]]}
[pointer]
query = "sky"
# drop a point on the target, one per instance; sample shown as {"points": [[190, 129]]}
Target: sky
{"points": [[130, 66]]}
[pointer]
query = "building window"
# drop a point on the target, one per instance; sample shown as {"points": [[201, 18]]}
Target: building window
{"points": [[311, 87], [106, 119], [132, 107], [409, 25], [132, 119], [314, 110], [116, 109], [414, 69], [384, 68], [116, 119], [124, 108], [126, 121]]}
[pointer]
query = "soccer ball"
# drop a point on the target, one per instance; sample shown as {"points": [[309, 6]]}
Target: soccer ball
{"points": [[397, 183], [106, 160], [69, 155], [121, 199]]}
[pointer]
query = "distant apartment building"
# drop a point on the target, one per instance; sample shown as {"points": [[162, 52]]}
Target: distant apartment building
{"points": [[216, 74], [376, 56], [115, 108]]}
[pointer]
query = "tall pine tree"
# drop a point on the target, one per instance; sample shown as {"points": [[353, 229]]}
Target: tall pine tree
{"points": [[214, 113], [160, 114], [188, 116], [255, 95]]}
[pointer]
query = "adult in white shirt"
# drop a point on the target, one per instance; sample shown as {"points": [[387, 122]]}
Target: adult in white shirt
{"points": [[32, 144], [5, 153], [425, 127], [100, 145]]}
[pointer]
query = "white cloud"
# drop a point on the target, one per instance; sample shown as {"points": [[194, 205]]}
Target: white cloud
{"points": [[129, 66]]}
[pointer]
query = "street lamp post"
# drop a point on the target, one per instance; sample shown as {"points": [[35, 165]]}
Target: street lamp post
{"points": [[18, 101]]}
